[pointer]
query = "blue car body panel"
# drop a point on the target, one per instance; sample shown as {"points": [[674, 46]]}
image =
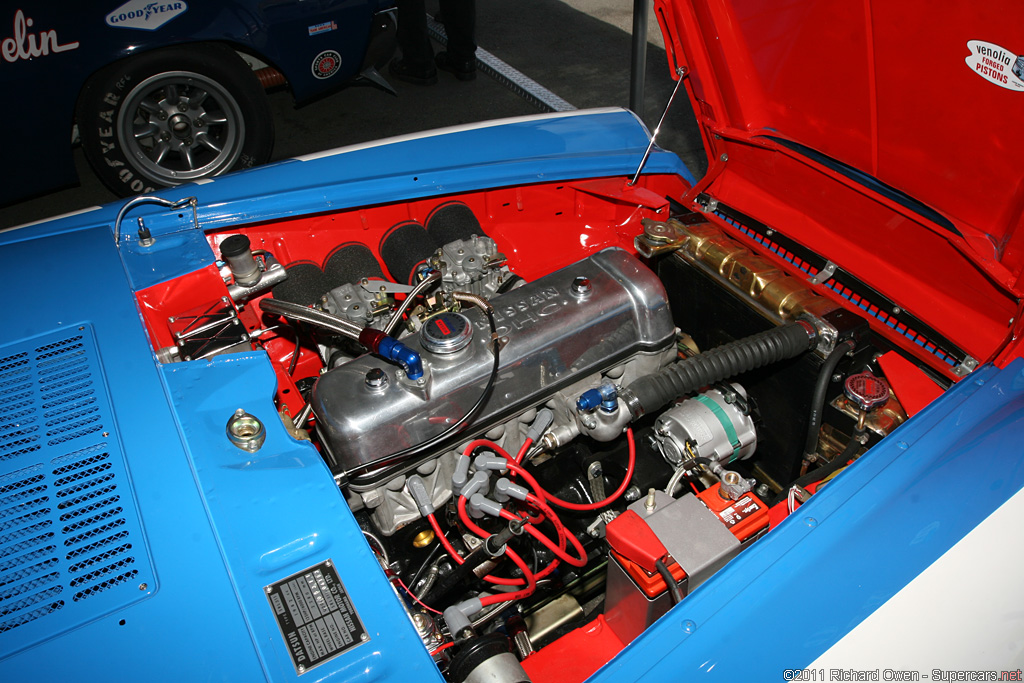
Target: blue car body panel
{"points": [[219, 526], [543, 148], [288, 35], [192, 595]]}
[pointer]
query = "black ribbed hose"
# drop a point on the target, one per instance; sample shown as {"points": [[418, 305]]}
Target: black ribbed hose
{"points": [[679, 379], [820, 389]]}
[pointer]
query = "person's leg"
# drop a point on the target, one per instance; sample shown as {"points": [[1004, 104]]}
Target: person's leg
{"points": [[417, 62], [459, 17]]}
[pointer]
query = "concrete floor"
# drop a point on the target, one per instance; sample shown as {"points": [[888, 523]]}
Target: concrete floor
{"points": [[619, 13], [578, 49]]}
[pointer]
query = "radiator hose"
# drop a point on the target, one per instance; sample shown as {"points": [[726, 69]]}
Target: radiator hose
{"points": [[652, 392]]}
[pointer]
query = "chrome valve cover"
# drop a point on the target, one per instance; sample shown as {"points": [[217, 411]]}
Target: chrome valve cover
{"points": [[557, 334]]}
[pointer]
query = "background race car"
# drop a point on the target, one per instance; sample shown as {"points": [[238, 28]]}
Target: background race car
{"points": [[167, 93]]}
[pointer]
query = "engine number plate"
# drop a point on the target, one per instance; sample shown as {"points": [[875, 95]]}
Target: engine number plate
{"points": [[316, 616]]}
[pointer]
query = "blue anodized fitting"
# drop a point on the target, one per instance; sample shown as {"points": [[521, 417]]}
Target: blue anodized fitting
{"points": [[604, 397], [394, 350]]}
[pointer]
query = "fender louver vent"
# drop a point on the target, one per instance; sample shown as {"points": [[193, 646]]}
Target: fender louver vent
{"points": [[71, 546]]}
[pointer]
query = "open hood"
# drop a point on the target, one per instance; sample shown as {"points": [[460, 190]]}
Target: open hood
{"points": [[918, 107]]}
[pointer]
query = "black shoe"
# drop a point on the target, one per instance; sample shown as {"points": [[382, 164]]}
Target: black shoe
{"points": [[464, 70], [403, 71]]}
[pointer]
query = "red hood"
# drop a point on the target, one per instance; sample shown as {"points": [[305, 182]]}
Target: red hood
{"points": [[923, 98]]}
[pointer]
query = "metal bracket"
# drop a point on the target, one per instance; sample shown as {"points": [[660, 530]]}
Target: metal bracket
{"points": [[208, 332], [966, 367], [378, 286], [824, 274], [706, 202]]}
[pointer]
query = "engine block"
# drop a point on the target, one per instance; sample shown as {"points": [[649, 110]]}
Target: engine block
{"points": [[556, 331]]}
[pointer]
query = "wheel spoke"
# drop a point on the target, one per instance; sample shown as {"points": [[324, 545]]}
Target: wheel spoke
{"points": [[171, 93], [145, 130], [186, 154], [207, 141], [197, 97], [149, 105], [159, 152], [218, 117]]}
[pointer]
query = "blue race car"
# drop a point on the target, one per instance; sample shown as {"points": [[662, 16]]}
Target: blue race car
{"points": [[525, 401], [165, 93]]}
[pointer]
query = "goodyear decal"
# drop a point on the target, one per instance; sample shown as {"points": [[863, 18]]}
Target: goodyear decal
{"points": [[145, 15]]}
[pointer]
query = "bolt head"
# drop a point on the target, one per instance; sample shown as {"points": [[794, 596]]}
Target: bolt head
{"points": [[581, 287], [376, 379]]}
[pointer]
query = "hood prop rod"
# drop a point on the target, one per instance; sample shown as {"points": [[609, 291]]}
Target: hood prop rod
{"points": [[681, 72]]}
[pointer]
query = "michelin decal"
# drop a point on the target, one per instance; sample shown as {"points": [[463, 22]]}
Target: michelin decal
{"points": [[145, 15], [996, 64], [29, 42]]}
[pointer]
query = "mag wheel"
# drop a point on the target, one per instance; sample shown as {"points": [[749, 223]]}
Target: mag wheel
{"points": [[173, 116]]}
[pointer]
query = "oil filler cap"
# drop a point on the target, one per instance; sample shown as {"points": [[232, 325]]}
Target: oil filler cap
{"points": [[446, 333]]}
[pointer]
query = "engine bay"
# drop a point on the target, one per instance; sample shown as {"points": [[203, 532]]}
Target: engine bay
{"points": [[550, 407]]}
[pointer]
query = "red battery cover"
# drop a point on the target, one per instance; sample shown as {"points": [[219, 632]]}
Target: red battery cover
{"points": [[745, 517], [650, 583], [635, 545]]}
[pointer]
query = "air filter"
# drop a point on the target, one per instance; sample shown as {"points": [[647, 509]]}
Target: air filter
{"points": [[305, 284], [349, 263], [404, 247], [452, 221]]}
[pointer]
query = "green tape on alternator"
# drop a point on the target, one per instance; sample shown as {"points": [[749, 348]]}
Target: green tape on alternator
{"points": [[726, 423]]}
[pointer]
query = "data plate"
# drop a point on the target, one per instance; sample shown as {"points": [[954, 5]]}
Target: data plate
{"points": [[315, 615]]}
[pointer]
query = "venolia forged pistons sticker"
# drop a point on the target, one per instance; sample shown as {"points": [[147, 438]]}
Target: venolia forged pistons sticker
{"points": [[996, 64]]}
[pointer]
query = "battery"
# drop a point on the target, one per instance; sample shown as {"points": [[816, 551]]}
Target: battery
{"points": [[696, 541], [746, 517]]}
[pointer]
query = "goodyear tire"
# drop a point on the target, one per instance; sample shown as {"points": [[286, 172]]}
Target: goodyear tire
{"points": [[172, 116]]}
